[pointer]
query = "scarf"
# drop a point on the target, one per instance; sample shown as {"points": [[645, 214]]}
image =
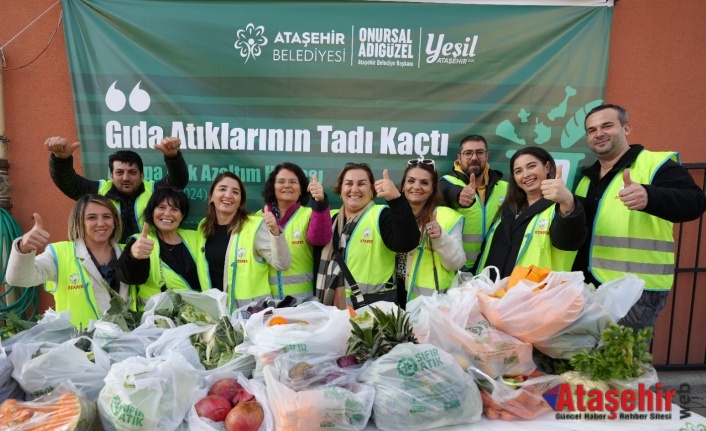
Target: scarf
{"points": [[330, 276]]}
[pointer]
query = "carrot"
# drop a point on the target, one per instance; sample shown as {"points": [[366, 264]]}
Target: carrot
{"points": [[507, 416], [492, 414]]}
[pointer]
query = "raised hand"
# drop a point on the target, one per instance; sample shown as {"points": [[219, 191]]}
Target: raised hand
{"points": [[385, 188], [169, 146], [633, 195], [143, 246], [555, 190], [270, 221], [433, 227], [316, 188], [36, 238], [468, 194], [60, 147]]}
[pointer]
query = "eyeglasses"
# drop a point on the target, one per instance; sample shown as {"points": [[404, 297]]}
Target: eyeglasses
{"points": [[291, 182], [421, 161], [469, 153]]}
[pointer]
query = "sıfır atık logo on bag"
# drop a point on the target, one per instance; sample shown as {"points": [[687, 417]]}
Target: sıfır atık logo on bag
{"points": [[596, 404], [127, 413]]}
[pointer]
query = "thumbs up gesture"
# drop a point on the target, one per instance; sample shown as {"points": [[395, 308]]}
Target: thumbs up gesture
{"points": [[316, 188], [385, 188], [60, 147], [169, 146], [433, 227], [633, 195], [36, 238], [555, 190], [270, 221], [143, 246], [468, 194]]}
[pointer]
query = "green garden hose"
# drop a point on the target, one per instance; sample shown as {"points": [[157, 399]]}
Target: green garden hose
{"points": [[20, 301]]}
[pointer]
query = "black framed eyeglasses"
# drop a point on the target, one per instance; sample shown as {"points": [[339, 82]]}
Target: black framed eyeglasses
{"points": [[421, 161], [469, 153]]}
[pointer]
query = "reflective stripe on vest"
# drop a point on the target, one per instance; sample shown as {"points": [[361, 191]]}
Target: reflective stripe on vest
{"points": [[479, 217], [246, 275], [140, 203], [421, 279], [73, 290], [369, 260], [640, 243], [299, 278], [536, 248]]}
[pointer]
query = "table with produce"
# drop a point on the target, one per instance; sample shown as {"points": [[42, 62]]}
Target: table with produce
{"points": [[481, 356]]}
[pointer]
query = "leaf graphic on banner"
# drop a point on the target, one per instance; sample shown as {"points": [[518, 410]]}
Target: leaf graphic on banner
{"points": [[574, 129], [139, 99], [114, 98]]}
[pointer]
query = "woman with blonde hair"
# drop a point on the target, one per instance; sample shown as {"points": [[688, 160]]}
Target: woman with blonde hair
{"points": [[80, 272]]}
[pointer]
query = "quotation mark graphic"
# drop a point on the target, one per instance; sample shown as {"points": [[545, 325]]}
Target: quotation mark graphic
{"points": [[139, 99]]}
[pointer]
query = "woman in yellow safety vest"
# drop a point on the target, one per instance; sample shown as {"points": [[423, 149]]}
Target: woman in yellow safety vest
{"points": [[80, 272], [286, 192], [357, 266], [239, 247], [432, 265], [541, 222], [163, 256]]}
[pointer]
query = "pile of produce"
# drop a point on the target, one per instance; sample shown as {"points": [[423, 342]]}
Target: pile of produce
{"points": [[227, 401]]}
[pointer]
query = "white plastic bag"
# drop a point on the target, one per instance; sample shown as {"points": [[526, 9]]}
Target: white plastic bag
{"points": [[178, 340], [533, 312], [456, 304], [8, 386], [318, 407], [419, 387], [62, 363], [311, 328], [480, 344], [618, 296], [147, 394], [256, 388], [503, 399], [211, 302], [120, 345], [54, 328]]}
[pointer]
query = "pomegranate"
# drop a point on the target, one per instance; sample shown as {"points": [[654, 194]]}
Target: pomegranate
{"points": [[213, 407], [242, 395], [246, 416], [226, 388]]}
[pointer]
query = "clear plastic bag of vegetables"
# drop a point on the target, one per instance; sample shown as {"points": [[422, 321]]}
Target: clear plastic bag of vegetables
{"points": [[120, 344], [311, 328], [147, 394], [8, 386], [39, 368], [185, 306], [419, 387], [516, 397], [62, 409], [205, 347], [480, 344], [308, 393]]}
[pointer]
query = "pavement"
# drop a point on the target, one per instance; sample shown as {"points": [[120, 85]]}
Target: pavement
{"points": [[690, 387]]}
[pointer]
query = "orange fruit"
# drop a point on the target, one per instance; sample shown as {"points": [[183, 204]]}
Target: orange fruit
{"points": [[277, 320]]}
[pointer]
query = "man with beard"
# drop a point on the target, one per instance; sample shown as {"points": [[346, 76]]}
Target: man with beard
{"points": [[475, 191], [632, 197], [126, 186]]}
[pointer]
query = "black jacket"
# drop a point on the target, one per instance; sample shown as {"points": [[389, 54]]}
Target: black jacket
{"points": [[75, 186], [672, 196], [566, 233]]}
